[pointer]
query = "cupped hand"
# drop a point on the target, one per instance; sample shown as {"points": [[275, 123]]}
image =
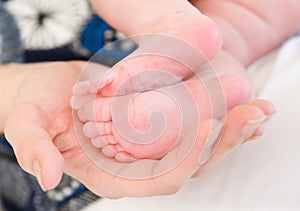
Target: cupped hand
{"points": [[143, 178], [41, 131]]}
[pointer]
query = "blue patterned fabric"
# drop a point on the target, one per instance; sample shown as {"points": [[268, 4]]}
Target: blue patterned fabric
{"points": [[93, 36], [10, 43]]}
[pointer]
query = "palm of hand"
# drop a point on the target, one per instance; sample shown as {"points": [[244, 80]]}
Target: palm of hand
{"points": [[40, 128], [114, 186]]}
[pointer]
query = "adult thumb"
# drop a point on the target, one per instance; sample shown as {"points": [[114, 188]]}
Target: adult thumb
{"points": [[33, 146]]}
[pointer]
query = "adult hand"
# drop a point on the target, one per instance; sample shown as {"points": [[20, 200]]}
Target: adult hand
{"points": [[40, 112], [167, 176], [40, 129]]}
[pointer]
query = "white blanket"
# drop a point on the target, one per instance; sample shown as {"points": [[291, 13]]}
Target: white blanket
{"points": [[262, 175]]}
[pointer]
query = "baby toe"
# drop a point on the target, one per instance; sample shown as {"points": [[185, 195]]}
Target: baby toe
{"points": [[109, 150], [124, 157], [99, 142]]}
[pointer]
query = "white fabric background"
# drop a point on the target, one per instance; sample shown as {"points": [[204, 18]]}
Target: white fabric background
{"points": [[262, 175]]}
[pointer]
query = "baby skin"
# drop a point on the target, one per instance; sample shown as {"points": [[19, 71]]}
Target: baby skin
{"points": [[179, 23], [125, 127], [131, 81], [121, 120]]}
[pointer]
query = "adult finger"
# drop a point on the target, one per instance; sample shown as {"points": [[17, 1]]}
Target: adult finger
{"points": [[241, 123], [33, 145]]}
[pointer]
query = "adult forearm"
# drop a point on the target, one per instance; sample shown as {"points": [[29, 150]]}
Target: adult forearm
{"points": [[10, 79]]}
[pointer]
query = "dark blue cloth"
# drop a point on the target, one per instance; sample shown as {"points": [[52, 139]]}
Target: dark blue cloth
{"points": [[10, 43], [93, 35]]}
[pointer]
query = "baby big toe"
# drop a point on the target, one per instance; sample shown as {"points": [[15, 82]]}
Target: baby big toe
{"points": [[102, 81]]}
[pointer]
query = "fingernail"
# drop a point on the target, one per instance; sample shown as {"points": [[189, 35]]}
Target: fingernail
{"points": [[37, 172], [253, 138], [211, 142], [259, 131], [251, 125], [257, 134]]}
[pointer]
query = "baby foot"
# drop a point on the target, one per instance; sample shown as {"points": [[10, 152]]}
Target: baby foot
{"points": [[142, 125], [148, 125], [183, 37]]}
